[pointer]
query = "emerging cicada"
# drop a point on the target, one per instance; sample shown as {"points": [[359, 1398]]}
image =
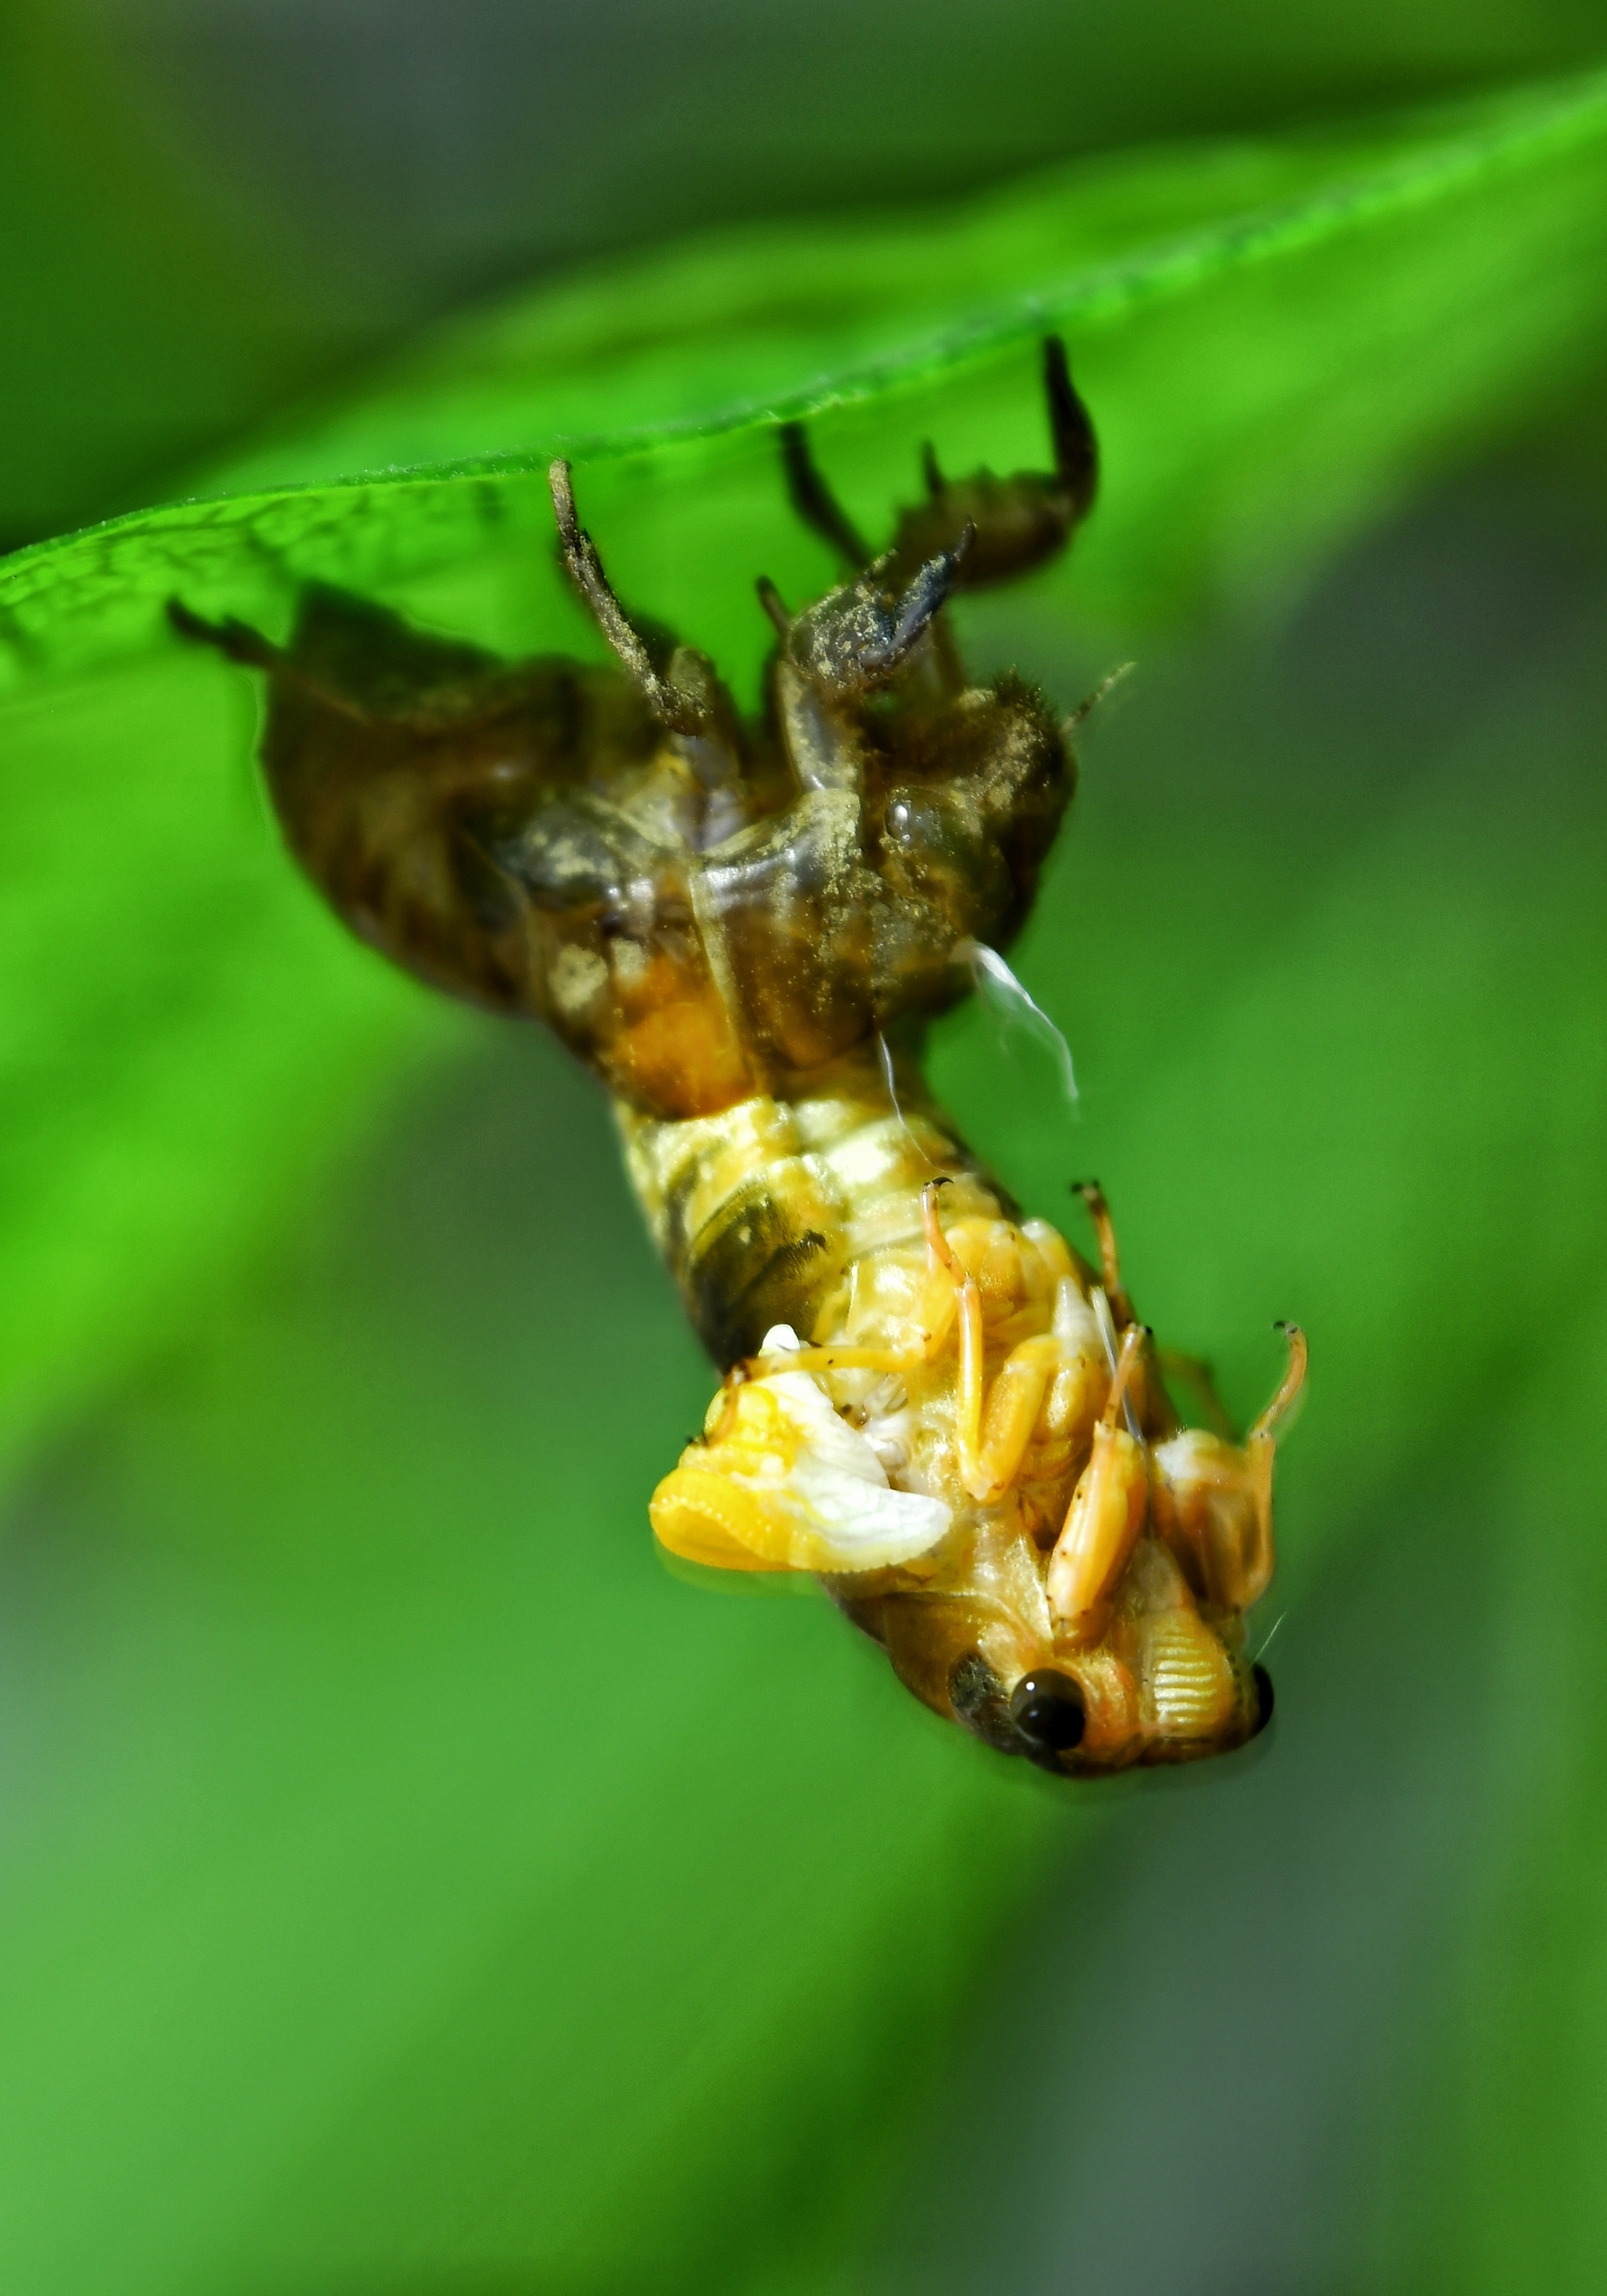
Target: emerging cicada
{"points": [[936, 1406]]}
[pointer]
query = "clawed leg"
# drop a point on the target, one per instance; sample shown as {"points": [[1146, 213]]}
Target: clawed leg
{"points": [[859, 636], [673, 701], [237, 641], [815, 503], [774, 605], [1110, 1260], [1021, 521], [985, 529], [1071, 430], [819, 509]]}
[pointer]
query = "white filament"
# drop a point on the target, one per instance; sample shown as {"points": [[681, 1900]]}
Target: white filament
{"points": [[886, 1053], [999, 988], [1107, 1333]]}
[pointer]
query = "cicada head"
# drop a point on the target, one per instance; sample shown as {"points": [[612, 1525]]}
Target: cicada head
{"points": [[1160, 1681], [1067, 1576]]}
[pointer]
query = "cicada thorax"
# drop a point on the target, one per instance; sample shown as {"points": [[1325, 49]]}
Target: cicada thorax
{"points": [[935, 1404]]}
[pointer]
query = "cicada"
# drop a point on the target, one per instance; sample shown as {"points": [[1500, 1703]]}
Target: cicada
{"points": [[933, 1404]]}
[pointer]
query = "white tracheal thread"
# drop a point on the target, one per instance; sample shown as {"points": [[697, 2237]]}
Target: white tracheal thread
{"points": [[1107, 1337], [885, 1053], [998, 988], [1266, 1644]]}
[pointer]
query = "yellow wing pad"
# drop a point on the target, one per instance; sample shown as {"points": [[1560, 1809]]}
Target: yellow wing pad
{"points": [[781, 1482]]}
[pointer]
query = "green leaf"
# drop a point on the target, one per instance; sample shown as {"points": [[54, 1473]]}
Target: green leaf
{"points": [[1261, 329], [186, 1038], [1276, 338]]}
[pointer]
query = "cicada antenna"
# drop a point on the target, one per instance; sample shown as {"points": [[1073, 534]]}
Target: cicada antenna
{"points": [[1086, 707]]}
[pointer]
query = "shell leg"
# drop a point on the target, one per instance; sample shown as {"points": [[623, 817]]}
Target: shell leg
{"points": [[859, 637], [684, 700], [1071, 431], [1017, 522], [814, 501]]}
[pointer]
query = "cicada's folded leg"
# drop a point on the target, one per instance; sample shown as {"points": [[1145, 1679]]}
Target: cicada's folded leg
{"points": [[1015, 1402], [1213, 1499], [1107, 1508], [992, 1426]]}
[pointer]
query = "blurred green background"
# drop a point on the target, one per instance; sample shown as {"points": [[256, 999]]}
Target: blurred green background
{"points": [[409, 1889]]}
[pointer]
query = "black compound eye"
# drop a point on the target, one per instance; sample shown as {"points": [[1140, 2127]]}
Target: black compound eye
{"points": [[1264, 1699], [1049, 1710]]}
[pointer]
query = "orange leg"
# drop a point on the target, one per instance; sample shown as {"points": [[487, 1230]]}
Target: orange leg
{"points": [[991, 1441], [1260, 1445], [1293, 1380], [1110, 1260], [1107, 1508], [1014, 1401]]}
